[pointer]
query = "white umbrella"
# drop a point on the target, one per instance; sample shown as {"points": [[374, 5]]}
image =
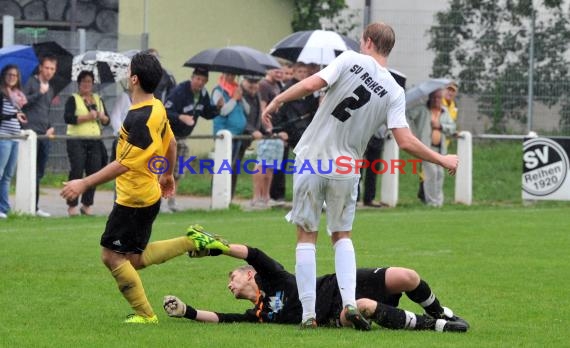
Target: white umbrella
{"points": [[107, 66], [313, 46], [418, 92]]}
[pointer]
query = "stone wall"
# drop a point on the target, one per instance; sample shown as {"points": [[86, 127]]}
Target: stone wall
{"points": [[93, 15]]}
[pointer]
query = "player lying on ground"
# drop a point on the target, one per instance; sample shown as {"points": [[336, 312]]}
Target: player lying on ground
{"points": [[273, 291]]}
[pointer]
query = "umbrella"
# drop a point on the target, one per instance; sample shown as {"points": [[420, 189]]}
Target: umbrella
{"points": [[418, 92], [107, 67], [399, 77], [262, 58], [21, 56], [64, 58], [130, 53], [227, 60], [313, 46]]}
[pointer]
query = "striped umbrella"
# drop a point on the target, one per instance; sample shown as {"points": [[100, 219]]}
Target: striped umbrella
{"points": [[313, 46]]}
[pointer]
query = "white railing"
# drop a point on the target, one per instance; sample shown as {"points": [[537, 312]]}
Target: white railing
{"points": [[221, 183]]}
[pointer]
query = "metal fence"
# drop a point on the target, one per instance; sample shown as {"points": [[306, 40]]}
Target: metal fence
{"points": [[483, 110]]}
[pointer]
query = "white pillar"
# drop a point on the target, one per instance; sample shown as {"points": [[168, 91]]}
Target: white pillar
{"points": [[464, 174], [82, 40], [389, 190], [26, 174], [222, 183], [7, 30]]}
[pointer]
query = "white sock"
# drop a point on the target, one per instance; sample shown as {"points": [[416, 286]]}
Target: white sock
{"points": [[306, 275], [345, 266]]}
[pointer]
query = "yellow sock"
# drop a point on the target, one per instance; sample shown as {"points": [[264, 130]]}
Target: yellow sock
{"points": [[131, 287], [164, 250]]}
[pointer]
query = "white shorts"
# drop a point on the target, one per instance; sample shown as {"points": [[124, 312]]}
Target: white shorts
{"points": [[310, 191]]}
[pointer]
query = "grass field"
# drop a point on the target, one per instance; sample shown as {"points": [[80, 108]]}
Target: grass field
{"points": [[504, 269]]}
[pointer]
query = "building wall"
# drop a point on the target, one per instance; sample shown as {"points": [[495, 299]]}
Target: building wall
{"points": [[179, 29]]}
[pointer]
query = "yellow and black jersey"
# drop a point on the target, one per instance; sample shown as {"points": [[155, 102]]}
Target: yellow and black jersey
{"points": [[145, 134]]}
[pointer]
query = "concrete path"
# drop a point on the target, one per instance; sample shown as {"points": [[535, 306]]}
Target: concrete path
{"points": [[51, 202]]}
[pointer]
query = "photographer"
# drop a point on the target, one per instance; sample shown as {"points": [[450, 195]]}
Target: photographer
{"points": [[84, 115]]}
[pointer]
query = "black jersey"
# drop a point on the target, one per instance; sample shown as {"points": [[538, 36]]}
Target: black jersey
{"points": [[278, 299]]}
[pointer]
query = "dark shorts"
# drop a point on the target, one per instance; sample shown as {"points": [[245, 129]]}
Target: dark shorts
{"points": [[128, 229], [371, 283]]}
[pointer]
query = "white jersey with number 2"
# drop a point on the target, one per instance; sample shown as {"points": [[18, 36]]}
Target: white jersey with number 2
{"points": [[362, 96]]}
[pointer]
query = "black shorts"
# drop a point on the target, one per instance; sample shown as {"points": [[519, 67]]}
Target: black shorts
{"points": [[128, 229], [371, 283]]}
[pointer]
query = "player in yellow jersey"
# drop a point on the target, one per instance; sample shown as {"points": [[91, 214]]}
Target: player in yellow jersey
{"points": [[144, 137]]}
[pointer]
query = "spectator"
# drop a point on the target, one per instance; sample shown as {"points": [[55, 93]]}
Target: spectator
{"points": [[118, 114], [167, 81], [449, 100], [432, 124], [287, 71], [269, 87], [184, 105], [449, 103], [233, 112], [252, 101], [293, 118], [40, 94], [373, 153], [13, 100], [84, 115]]}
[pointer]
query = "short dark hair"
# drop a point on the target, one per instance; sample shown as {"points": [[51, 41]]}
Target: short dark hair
{"points": [[83, 74], [200, 71], [48, 57], [148, 69]]}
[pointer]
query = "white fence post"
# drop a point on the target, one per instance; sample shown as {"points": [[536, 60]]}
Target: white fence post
{"points": [[222, 183], [7, 30], [389, 190], [26, 174], [464, 174]]}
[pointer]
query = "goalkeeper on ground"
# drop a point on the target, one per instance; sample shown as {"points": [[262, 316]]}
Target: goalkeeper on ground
{"points": [[273, 292]]}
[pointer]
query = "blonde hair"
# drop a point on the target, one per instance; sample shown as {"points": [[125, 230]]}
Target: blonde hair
{"points": [[242, 269], [382, 36]]}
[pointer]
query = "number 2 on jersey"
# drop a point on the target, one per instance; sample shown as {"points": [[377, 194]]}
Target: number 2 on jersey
{"points": [[351, 103]]}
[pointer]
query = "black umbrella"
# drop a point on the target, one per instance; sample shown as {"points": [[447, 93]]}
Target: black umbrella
{"points": [[226, 60], [64, 58], [313, 46], [265, 59]]}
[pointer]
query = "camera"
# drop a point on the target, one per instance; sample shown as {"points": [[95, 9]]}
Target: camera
{"points": [[92, 107]]}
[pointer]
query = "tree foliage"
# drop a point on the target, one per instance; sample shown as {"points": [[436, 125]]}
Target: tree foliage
{"points": [[485, 45], [308, 13]]}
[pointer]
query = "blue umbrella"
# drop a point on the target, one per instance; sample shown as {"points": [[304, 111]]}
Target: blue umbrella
{"points": [[22, 56]]}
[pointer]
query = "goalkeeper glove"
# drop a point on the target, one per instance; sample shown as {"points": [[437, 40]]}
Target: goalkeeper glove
{"points": [[174, 307]]}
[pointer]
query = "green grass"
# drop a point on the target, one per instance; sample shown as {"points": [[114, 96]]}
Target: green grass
{"points": [[503, 268]]}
